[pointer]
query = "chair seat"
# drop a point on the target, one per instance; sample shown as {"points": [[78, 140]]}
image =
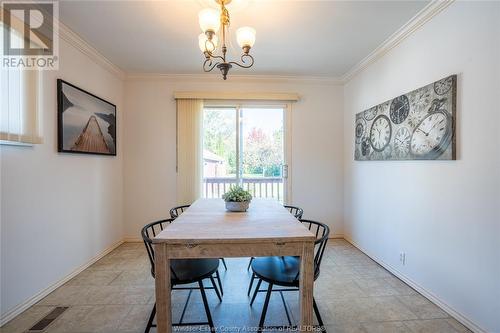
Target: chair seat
{"points": [[192, 270], [278, 270]]}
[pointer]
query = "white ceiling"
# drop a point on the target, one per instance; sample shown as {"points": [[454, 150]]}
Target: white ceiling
{"points": [[313, 38]]}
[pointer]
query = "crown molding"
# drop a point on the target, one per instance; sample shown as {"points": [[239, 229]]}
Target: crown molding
{"points": [[422, 17], [235, 78], [81, 45]]}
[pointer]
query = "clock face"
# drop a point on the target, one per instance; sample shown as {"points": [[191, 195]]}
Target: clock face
{"points": [[441, 87], [399, 110], [402, 142], [432, 136], [380, 133], [370, 113], [360, 129]]}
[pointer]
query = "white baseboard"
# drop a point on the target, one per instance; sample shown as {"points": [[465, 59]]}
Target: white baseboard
{"points": [[336, 236], [432, 297], [18, 309]]}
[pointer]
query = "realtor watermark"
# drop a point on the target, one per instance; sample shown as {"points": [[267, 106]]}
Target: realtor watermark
{"points": [[30, 37]]}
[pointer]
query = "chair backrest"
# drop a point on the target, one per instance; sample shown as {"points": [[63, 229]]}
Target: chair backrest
{"points": [[176, 211], [295, 211], [148, 232], [322, 231]]}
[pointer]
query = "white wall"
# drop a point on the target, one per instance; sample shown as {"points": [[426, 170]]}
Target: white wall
{"points": [[443, 214], [58, 210], [149, 165]]}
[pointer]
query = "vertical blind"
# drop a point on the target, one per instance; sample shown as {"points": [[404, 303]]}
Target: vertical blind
{"points": [[19, 121], [189, 148]]}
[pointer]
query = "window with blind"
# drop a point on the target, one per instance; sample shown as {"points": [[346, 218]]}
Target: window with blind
{"points": [[19, 121]]}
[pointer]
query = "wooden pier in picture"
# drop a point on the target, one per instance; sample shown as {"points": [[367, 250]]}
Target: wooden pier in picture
{"points": [[91, 139]]}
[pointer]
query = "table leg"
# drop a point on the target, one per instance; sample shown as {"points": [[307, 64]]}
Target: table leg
{"points": [[162, 289], [306, 284]]}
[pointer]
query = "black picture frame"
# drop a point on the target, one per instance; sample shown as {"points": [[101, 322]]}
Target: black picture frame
{"points": [[94, 140]]}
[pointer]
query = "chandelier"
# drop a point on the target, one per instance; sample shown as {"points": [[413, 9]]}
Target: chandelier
{"points": [[211, 21]]}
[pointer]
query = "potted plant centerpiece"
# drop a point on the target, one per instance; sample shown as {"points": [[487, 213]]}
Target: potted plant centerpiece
{"points": [[237, 199]]}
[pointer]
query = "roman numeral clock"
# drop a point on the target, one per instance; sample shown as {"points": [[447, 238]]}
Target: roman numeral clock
{"points": [[419, 125]]}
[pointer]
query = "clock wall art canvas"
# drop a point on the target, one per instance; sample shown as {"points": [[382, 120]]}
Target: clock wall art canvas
{"points": [[419, 125], [86, 123]]}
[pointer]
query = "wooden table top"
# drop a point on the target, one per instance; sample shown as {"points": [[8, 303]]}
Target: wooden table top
{"points": [[207, 221]]}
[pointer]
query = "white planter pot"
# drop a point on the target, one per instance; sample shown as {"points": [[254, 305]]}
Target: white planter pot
{"points": [[233, 206]]}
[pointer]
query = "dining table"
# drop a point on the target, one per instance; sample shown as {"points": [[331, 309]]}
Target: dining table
{"points": [[207, 230]]}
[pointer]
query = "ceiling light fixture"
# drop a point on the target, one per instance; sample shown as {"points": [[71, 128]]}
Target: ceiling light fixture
{"points": [[211, 21]]}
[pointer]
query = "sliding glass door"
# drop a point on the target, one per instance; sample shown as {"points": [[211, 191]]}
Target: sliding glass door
{"points": [[245, 145]]}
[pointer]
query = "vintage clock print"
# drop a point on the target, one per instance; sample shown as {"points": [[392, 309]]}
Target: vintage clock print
{"points": [[365, 147], [432, 136], [437, 104], [357, 153], [402, 142], [413, 126], [370, 113], [380, 133], [441, 87], [360, 129], [400, 108]]}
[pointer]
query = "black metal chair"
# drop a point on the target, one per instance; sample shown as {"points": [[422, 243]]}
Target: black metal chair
{"points": [[297, 212], [176, 211], [183, 271], [284, 272]]}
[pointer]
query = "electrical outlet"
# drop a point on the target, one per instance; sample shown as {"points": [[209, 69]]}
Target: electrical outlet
{"points": [[402, 258]]}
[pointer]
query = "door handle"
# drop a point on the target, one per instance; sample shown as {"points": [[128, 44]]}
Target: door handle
{"points": [[284, 171]]}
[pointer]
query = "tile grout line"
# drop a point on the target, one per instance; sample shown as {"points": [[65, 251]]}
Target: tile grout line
{"points": [[116, 277]]}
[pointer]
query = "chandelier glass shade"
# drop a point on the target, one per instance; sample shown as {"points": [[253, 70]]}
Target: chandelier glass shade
{"points": [[212, 22], [209, 20]]}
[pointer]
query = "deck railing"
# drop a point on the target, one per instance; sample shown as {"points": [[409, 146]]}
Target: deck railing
{"points": [[265, 187]]}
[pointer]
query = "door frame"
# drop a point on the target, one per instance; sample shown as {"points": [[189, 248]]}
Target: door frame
{"points": [[287, 137]]}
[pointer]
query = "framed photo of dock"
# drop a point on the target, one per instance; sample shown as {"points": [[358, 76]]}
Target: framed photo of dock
{"points": [[86, 123]]}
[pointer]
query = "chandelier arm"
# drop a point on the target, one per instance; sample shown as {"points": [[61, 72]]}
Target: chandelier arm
{"points": [[210, 65], [216, 57], [244, 65]]}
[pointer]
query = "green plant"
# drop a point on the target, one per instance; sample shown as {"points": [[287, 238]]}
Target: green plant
{"points": [[237, 194]]}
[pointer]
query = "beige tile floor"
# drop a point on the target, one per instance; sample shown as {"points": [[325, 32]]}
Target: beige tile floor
{"points": [[354, 294]]}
